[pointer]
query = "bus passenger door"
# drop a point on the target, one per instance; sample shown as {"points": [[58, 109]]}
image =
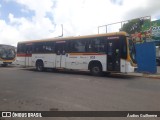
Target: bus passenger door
{"points": [[60, 54], [28, 55], [113, 55]]}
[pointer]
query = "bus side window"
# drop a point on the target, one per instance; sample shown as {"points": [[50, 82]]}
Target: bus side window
{"points": [[77, 46], [21, 48], [70, 46], [97, 45], [38, 48], [28, 49], [67, 47], [49, 47], [80, 46]]}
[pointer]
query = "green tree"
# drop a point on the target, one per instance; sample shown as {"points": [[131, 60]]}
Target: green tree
{"points": [[132, 26]]}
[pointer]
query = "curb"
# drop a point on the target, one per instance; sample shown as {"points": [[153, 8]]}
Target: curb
{"points": [[155, 77], [146, 76]]}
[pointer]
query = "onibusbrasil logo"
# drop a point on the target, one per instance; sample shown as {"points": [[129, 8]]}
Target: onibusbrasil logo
{"points": [[21, 114]]}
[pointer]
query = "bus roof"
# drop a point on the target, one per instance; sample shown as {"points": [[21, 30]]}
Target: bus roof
{"points": [[4, 45], [76, 37]]}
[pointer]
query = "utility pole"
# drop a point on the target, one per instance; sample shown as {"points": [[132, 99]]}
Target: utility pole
{"points": [[62, 30]]}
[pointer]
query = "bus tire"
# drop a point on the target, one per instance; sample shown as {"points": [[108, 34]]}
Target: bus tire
{"points": [[158, 62], [96, 69], [4, 65], [39, 66]]}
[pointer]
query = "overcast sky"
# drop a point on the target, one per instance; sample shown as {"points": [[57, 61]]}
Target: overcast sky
{"points": [[37, 19]]}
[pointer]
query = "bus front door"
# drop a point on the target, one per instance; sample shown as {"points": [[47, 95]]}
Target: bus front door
{"points": [[60, 54], [113, 55], [28, 56]]}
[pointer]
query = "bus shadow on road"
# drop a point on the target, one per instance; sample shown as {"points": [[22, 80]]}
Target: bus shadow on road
{"points": [[86, 73], [121, 76], [9, 66]]}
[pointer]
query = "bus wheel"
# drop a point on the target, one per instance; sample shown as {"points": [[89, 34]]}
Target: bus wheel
{"points": [[39, 66], [96, 70], [4, 65]]}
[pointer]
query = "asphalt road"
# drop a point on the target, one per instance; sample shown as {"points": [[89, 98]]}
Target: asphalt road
{"points": [[27, 89]]}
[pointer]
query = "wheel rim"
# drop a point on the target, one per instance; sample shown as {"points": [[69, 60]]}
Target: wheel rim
{"points": [[39, 67], [157, 63], [96, 69]]}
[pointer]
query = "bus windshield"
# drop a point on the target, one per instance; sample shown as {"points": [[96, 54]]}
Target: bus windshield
{"points": [[7, 53], [132, 51]]}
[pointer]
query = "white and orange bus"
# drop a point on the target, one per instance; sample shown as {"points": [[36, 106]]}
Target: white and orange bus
{"points": [[7, 54], [110, 52]]}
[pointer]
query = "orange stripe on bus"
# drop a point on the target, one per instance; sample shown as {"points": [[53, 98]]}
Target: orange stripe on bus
{"points": [[86, 54], [24, 55]]}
